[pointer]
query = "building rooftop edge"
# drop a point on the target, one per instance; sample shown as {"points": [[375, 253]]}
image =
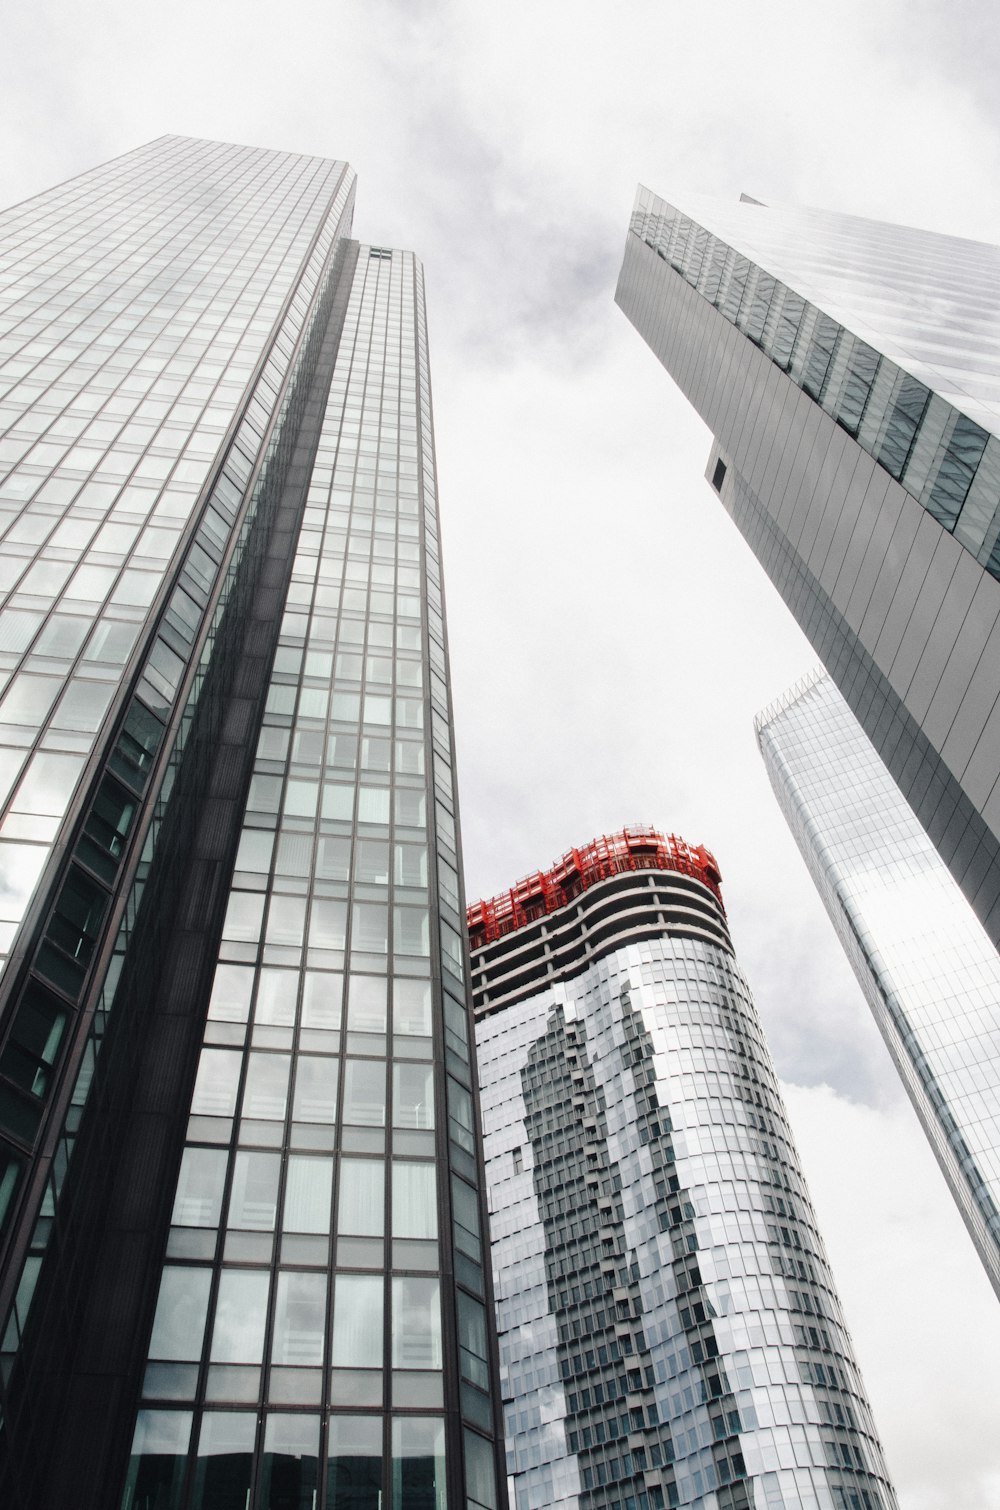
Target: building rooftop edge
{"points": [[636, 847], [788, 698], [699, 199]]}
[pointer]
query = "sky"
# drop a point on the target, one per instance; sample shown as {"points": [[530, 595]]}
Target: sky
{"points": [[611, 635]]}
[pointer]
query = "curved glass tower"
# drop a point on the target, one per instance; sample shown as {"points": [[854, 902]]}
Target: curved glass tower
{"points": [[670, 1333]]}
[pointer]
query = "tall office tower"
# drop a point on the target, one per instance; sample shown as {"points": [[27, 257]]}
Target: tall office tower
{"points": [[241, 1171], [669, 1329], [928, 971], [848, 371]]}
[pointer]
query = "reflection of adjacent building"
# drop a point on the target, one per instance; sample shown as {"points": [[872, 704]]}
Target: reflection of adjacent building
{"points": [[669, 1329], [242, 1220], [930, 974], [848, 371]]}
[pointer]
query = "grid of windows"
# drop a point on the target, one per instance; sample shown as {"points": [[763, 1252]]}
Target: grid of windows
{"points": [[669, 1329], [930, 974], [330, 1161], [922, 432], [42, 1018], [137, 306], [239, 495]]}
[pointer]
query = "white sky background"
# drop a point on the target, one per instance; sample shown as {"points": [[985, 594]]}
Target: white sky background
{"points": [[611, 634]]}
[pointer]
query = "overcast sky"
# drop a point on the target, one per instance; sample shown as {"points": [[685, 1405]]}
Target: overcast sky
{"points": [[612, 636]]}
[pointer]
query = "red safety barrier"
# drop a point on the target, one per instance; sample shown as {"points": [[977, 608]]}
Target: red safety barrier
{"points": [[545, 891]]}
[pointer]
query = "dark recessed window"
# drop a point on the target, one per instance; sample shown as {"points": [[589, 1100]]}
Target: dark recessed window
{"points": [[33, 1041], [719, 475]]}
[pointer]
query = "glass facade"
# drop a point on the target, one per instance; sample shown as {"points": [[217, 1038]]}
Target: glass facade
{"points": [[139, 302], [930, 974], [895, 333], [241, 1177], [670, 1333], [850, 373]]}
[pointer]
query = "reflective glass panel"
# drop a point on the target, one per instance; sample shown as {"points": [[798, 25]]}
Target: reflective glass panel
{"points": [[418, 1466]]}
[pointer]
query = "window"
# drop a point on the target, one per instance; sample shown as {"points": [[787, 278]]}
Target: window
{"points": [[360, 1209], [411, 1007], [357, 1321], [290, 1463], [286, 920], [308, 1194], [321, 1000], [266, 1092], [106, 829], [76, 918], [461, 1122], [366, 1004], [819, 356], [315, 1089], [910, 400], [480, 1473], [364, 1093], [231, 993], [198, 1199], [416, 1323], [418, 1463], [956, 470], [133, 755], [276, 992], [33, 1042], [158, 1459], [472, 1344], [414, 1199], [240, 1315], [370, 927], [412, 1095], [181, 1311], [299, 1320], [411, 931], [372, 862], [354, 1472], [253, 1202], [225, 1458], [465, 1209]]}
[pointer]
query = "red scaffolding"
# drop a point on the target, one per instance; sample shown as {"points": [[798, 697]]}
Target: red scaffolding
{"points": [[637, 848]]}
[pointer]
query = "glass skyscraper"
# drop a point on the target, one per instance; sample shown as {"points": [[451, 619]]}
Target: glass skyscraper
{"points": [[241, 1219], [670, 1334], [928, 971], [850, 372]]}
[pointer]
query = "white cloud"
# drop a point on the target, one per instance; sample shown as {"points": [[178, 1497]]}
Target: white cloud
{"points": [[898, 1248]]}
